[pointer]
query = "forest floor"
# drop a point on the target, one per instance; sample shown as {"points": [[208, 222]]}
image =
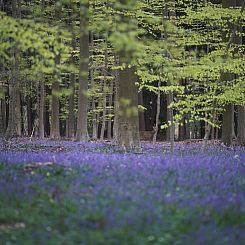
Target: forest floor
{"points": [[63, 192]]}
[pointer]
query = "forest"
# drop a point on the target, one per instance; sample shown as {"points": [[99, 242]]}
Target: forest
{"points": [[122, 122]]}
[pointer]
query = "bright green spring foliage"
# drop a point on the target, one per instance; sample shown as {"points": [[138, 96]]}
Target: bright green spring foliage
{"points": [[182, 43]]}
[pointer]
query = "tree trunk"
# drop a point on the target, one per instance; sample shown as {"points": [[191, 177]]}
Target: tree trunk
{"points": [[128, 118], [170, 113], [228, 116], [182, 130], [109, 123], [241, 125], [29, 114], [228, 125], [158, 112], [170, 116], [2, 130], [141, 113], [102, 133], [240, 109], [2, 103], [14, 120], [116, 103], [93, 106], [71, 118], [55, 107], [55, 102], [81, 133], [41, 110]]}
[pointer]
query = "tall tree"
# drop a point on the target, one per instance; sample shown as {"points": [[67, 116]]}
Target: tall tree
{"points": [[240, 108], [71, 105], [82, 133], [14, 119], [228, 115], [55, 94], [128, 116]]}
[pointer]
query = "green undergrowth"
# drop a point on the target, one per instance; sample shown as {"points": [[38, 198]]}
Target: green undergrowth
{"points": [[45, 214]]}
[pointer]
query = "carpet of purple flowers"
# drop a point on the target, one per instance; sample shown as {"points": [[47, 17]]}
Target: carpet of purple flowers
{"points": [[61, 192]]}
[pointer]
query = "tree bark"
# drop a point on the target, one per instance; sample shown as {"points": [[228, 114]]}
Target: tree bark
{"points": [[41, 110], [55, 102], [241, 125], [228, 125], [2, 103], [116, 102], [14, 120], [81, 133], [102, 133], [55, 105], [71, 104], [141, 113], [29, 115], [109, 122], [228, 116], [158, 113], [128, 117]]}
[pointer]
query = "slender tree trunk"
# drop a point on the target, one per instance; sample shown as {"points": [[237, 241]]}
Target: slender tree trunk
{"points": [[2, 130], [95, 114], [41, 109], [41, 97], [55, 105], [2, 102], [71, 104], [109, 122], [116, 103], [104, 94], [158, 112], [103, 124], [170, 114], [93, 102], [240, 108], [170, 119], [141, 113], [29, 114], [81, 133]]}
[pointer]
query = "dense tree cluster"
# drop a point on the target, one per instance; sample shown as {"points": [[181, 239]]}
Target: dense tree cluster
{"points": [[168, 70]]}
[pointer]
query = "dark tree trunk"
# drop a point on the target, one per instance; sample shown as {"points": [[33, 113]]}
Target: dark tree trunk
{"points": [[141, 113], [104, 100], [241, 125], [71, 118], [228, 117], [182, 130], [116, 103], [240, 109], [55, 105], [2, 103], [228, 125], [41, 109], [29, 114], [14, 120]]}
